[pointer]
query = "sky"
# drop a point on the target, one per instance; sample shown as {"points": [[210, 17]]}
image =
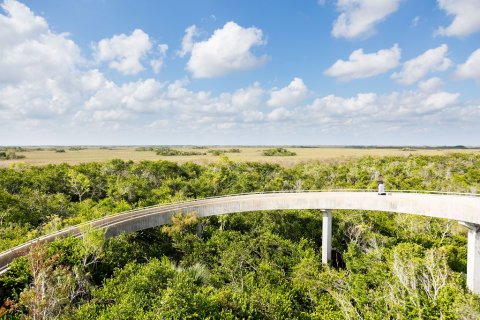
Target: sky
{"points": [[249, 72]]}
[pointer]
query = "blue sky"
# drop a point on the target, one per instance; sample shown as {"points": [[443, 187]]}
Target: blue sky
{"points": [[396, 72]]}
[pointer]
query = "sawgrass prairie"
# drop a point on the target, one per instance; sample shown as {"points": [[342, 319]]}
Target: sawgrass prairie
{"points": [[303, 154]]}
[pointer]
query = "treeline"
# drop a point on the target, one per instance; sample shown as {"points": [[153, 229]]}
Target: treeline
{"points": [[217, 152], [281, 152], [10, 155], [255, 265], [166, 151]]}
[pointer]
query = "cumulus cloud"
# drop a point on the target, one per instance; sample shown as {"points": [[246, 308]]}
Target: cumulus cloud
{"points": [[430, 61], [358, 18], [361, 65], [471, 68], [227, 50], [361, 103], [38, 77], [187, 41], [111, 115], [38, 100], [288, 96], [124, 52], [29, 51], [430, 85], [139, 96], [20, 22], [174, 107], [248, 98], [158, 62], [45, 82], [93, 80], [279, 114], [371, 108], [465, 21]]}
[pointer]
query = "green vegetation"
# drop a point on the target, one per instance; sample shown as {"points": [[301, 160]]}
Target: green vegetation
{"points": [[174, 152], [76, 148], [258, 265], [146, 149], [278, 152], [47, 155], [165, 151], [217, 152], [10, 155]]}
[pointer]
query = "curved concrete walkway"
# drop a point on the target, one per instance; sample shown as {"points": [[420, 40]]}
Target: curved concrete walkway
{"points": [[463, 208]]}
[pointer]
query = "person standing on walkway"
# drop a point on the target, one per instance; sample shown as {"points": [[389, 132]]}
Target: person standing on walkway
{"points": [[381, 188]]}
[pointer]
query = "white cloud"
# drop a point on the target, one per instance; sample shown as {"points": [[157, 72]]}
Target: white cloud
{"points": [[158, 124], [124, 52], [438, 101], [279, 114], [38, 77], [139, 96], [158, 63], [226, 125], [371, 108], [471, 68], [111, 115], [226, 51], [288, 96], [465, 21], [333, 105], [360, 65], [20, 23], [48, 95], [187, 41], [358, 18], [248, 98], [430, 61], [38, 100], [430, 85], [93, 80], [29, 52]]}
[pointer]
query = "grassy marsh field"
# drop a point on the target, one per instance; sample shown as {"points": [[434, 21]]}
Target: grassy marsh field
{"points": [[33, 156]]}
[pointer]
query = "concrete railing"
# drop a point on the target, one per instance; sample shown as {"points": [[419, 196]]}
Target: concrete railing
{"points": [[455, 206]]}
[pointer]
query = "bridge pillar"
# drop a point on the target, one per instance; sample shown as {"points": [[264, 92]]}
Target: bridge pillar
{"points": [[473, 257], [326, 236]]}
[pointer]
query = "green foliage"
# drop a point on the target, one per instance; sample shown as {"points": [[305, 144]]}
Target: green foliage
{"points": [[174, 152], [9, 154], [217, 152], [76, 148], [258, 265], [278, 152], [166, 151]]}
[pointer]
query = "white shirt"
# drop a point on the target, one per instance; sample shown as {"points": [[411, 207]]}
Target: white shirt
{"points": [[381, 188]]}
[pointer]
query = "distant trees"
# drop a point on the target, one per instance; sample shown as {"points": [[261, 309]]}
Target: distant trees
{"points": [[173, 152], [217, 152], [278, 152], [166, 151], [10, 155]]}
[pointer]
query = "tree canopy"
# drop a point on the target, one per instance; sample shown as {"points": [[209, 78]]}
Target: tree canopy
{"points": [[256, 265]]}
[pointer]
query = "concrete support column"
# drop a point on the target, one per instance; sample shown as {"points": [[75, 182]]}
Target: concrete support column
{"points": [[326, 236], [473, 257]]}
